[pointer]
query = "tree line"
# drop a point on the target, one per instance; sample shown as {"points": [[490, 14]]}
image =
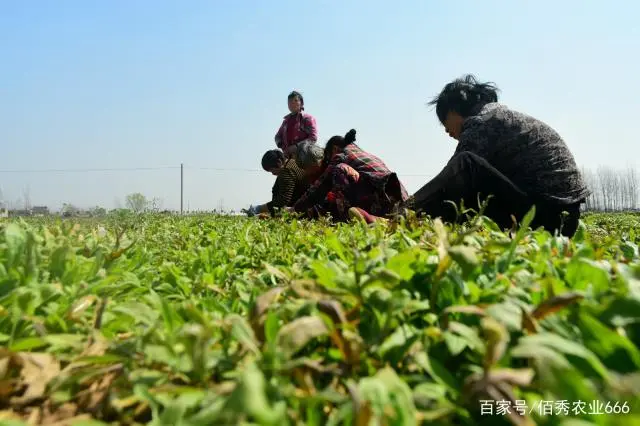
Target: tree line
{"points": [[612, 189]]}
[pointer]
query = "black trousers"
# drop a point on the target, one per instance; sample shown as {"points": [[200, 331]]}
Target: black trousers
{"points": [[470, 178]]}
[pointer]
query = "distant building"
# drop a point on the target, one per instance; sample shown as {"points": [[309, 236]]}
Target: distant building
{"points": [[19, 212], [40, 210], [34, 211]]}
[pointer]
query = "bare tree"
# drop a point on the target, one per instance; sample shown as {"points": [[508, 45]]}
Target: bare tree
{"points": [[98, 211], [3, 204], [591, 180], [16, 204], [632, 187], [137, 202], [612, 190], [156, 204], [69, 209]]}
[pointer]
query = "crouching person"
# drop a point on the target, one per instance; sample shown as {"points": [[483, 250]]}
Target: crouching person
{"points": [[516, 159], [290, 183], [350, 178], [309, 158]]}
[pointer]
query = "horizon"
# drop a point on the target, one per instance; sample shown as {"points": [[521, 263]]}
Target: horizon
{"points": [[598, 180]]}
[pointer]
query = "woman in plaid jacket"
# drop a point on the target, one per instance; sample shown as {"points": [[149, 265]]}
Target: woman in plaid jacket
{"points": [[352, 177]]}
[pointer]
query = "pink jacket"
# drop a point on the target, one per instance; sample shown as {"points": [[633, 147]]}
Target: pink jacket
{"points": [[299, 127]]}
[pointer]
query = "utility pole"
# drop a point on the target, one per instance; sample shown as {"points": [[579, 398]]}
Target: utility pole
{"points": [[181, 186]]}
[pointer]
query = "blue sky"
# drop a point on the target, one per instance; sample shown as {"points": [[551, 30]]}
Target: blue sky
{"points": [[137, 84]]}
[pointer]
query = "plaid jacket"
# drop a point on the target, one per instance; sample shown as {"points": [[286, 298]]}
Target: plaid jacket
{"points": [[367, 165], [304, 128]]}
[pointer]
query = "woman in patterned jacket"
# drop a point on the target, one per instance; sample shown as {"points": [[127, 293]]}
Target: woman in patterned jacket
{"points": [[516, 159], [352, 177], [297, 126]]}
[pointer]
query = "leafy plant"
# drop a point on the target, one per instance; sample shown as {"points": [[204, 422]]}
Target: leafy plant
{"points": [[200, 320]]}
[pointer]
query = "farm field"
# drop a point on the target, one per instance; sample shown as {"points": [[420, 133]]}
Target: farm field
{"points": [[214, 320]]}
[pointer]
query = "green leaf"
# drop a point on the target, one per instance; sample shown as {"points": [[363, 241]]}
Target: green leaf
{"points": [[400, 340], [91, 422], [403, 263], [429, 391], [465, 257], [507, 259], [615, 351], [271, 327], [15, 238], [65, 341], [250, 398], [389, 398], [242, 331], [295, 335], [27, 344], [437, 371], [564, 346], [326, 273], [583, 273], [621, 312], [466, 336], [12, 422]]}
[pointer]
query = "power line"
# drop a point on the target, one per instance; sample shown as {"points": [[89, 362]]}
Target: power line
{"points": [[220, 169], [135, 169], [109, 169], [262, 171]]}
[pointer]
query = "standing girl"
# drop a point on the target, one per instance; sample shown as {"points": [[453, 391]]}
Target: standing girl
{"points": [[296, 127]]}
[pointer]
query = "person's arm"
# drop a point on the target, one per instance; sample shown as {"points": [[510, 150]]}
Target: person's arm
{"points": [[286, 187], [278, 138], [315, 192], [474, 137], [254, 210], [319, 189], [310, 127]]}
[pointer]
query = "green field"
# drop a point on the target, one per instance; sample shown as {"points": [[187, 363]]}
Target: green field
{"points": [[214, 320]]}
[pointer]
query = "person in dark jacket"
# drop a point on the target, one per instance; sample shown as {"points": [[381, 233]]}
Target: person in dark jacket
{"points": [[290, 183], [516, 159]]}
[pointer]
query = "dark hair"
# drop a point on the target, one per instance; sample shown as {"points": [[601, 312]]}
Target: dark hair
{"points": [[272, 159], [340, 142], [465, 96], [299, 95]]}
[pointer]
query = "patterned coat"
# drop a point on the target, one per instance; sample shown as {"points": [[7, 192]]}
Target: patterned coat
{"points": [[527, 151], [378, 188]]}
